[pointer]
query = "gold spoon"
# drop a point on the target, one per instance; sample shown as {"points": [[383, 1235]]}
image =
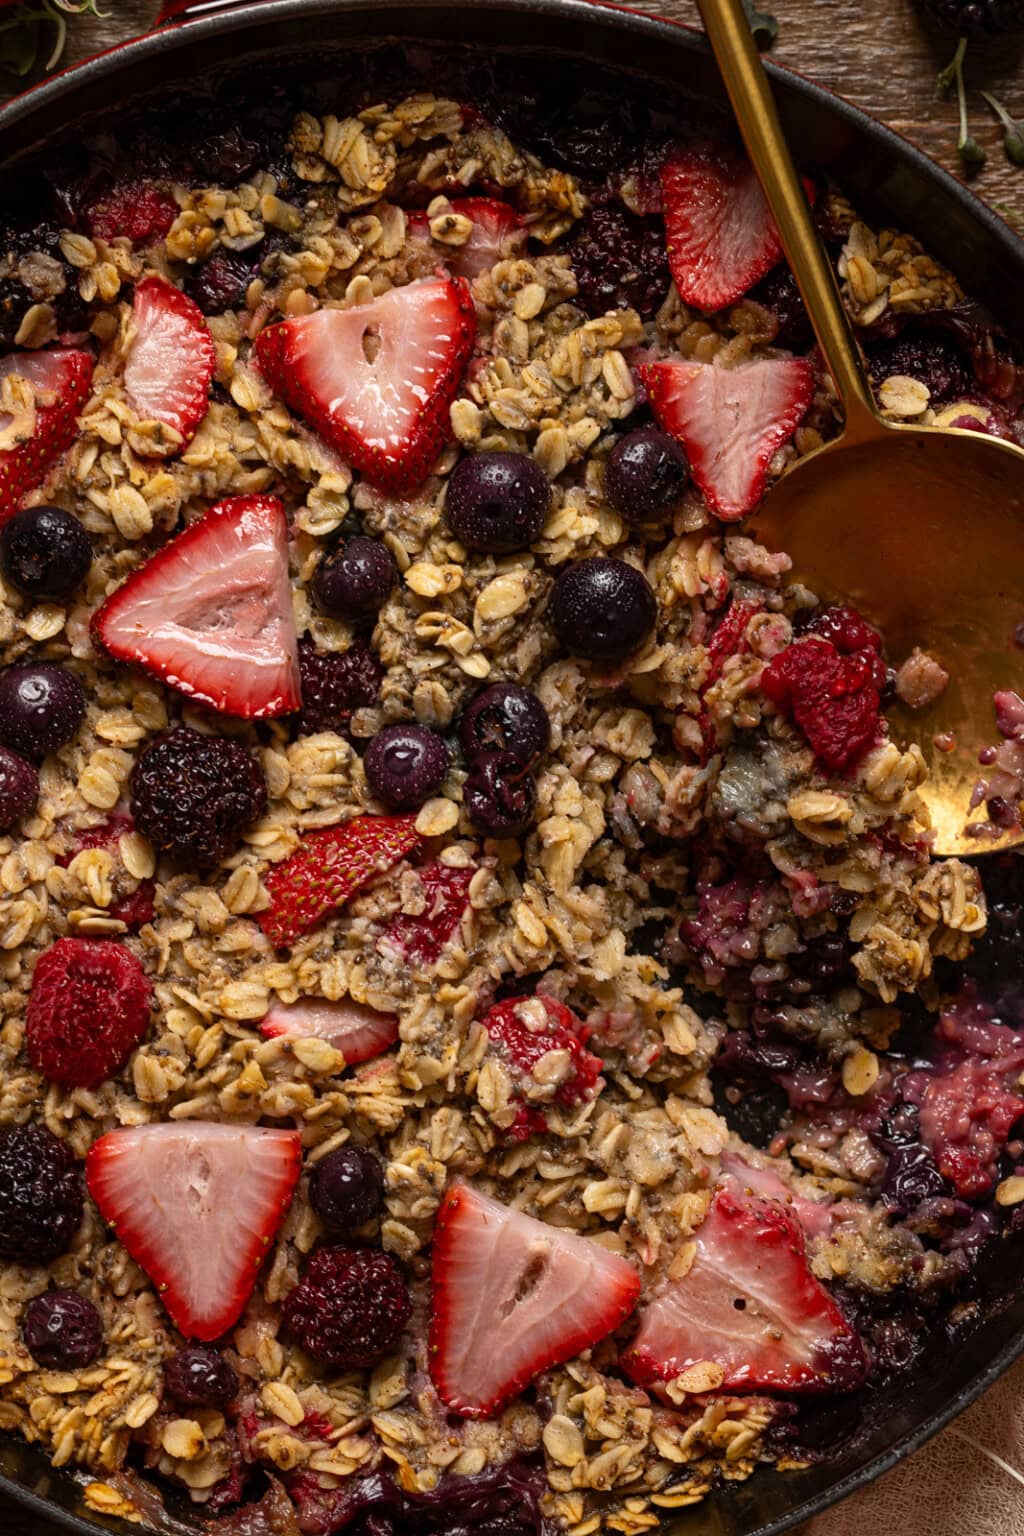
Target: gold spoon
{"points": [[920, 528]]}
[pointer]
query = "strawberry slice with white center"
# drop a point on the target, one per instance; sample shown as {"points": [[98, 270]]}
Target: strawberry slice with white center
{"points": [[358, 1032], [749, 1304], [512, 1297], [730, 421], [171, 359], [196, 1205], [377, 380], [498, 233], [60, 380], [721, 238], [211, 613]]}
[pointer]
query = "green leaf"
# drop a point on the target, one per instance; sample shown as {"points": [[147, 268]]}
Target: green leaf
{"points": [[763, 25], [19, 46]]}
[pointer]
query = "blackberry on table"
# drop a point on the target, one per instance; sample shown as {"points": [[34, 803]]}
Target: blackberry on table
{"points": [[41, 1199], [350, 1307], [968, 16], [194, 795]]}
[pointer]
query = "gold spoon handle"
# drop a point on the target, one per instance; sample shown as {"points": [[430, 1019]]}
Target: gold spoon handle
{"points": [[739, 63]]}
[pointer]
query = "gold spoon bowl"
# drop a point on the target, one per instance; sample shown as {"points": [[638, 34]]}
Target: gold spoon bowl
{"points": [[920, 528]]}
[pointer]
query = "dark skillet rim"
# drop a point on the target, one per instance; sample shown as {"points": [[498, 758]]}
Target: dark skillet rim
{"points": [[243, 16]]}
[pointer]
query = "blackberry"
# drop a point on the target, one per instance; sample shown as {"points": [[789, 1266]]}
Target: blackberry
{"points": [[62, 1331], [41, 1199], [350, 1307], [620, 262], [933, 360], [220, 283], [19, 788], [199, 1377], [194, 795], [779, 294], [966, 16], [334, 683]]}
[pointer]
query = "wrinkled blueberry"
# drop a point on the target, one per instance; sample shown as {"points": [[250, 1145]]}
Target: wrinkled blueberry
{"points": [[44, 552], [506, 718], [346, 1189], [602, 609], [199, 1377], [41, 708], [62, 1331], [498, 502], [220, 283], [499, 795], [645, 475], [779, 294], [405, 764], [354, 580]]}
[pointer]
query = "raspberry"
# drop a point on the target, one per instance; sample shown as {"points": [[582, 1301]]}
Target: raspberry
{"points": [[137, 907], [62, 1331], [40, 1195], [334, 684], [829, 684], [619, 261], [87, 1011], [421, 938], [193, 795], [138, 209], [350, 1307], [522, 1036]]}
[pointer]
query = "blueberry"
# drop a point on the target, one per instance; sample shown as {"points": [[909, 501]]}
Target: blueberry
{"points": [[499, 795], [19, 788], [602, 609], [405, 764], [200, 1378], [62, 1331], [506, 718], [778, 293], [44, 552], [498, 502], [645, 475], [41, 708], [346, 1189], [220, 283], [354, 580]]}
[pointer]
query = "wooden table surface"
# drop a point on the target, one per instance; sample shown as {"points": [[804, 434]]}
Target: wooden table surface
{"points": [[880, 55]]}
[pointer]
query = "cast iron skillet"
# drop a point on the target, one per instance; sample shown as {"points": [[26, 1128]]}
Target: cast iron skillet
{"points": [[887, 178]]}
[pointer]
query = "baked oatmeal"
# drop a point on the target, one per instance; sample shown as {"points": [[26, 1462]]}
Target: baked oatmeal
{"points": [[484, 1038]]}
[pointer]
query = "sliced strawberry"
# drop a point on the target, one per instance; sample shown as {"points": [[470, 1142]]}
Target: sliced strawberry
{"points": [[377, 380], [420, 939], [133, 910], [730, 421], [327, 868], [749, 1304], [721, 237], [211, 613], [512, 1297], [196, 1205], [814, 1216], [139, 210], [358, 1032], [170, 362], [524, 1029], [60, 380], [498, 232]]}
